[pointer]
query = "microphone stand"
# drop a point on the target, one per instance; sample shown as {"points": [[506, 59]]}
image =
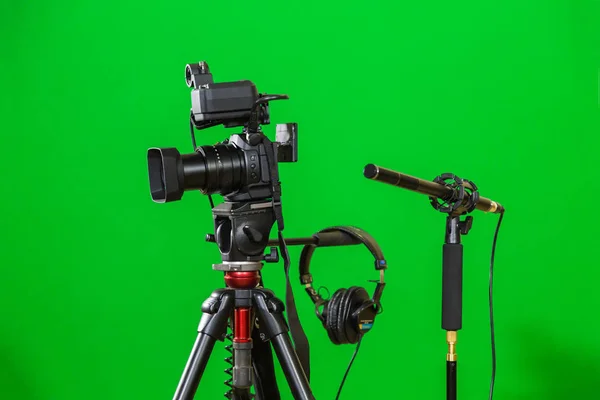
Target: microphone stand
{"points": [[452, 277], [462, 200], [455, 197]]}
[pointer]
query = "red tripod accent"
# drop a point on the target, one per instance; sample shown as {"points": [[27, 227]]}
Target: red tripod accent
{"points": [[242, 316]]}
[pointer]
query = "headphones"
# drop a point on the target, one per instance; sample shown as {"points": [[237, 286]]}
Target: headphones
{"points": [[350, 313]]}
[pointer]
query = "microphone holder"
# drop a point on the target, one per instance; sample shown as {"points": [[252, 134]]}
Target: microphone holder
{"points": [[452, 264]]}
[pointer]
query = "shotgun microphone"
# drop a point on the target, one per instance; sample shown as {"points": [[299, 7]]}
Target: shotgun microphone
{"points": [[432, 189], [454, 196]]}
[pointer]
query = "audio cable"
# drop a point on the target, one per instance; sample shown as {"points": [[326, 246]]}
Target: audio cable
{"points": [[491, 291], [349, 366]]}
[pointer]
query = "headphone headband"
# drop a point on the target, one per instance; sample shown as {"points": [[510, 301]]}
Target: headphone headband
{"points": [[336, 236]]}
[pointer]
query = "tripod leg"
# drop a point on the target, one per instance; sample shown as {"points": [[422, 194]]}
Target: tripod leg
{"points": [[213, 326], [194, 367], [270, 316]]}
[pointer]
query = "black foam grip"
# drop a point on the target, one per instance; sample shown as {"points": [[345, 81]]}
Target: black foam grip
{"points": [[452, 287]]}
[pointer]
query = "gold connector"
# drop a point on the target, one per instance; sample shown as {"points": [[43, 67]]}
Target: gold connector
{"points": [[451, 339], [493, 206]]}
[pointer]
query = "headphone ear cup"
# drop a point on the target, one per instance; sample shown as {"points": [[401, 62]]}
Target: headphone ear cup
{"points": [[344, 325], [340, 322], [331, 315], [356, 300], [342, 315]]}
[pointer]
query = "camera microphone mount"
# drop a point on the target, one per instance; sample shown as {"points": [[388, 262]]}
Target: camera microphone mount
{"points": [[455, 197]]}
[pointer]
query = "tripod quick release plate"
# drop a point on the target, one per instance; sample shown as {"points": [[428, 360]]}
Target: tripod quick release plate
{"points": [[242, 266]]}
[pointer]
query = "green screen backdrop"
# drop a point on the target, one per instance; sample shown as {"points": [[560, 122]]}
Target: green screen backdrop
{"points": [[101, 288]]}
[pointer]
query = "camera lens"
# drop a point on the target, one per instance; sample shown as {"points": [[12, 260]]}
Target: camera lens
{"points": [[213, 169]]}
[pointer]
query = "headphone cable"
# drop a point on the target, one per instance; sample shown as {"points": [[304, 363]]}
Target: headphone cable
{"points": [[349, 366], [493, 336]]}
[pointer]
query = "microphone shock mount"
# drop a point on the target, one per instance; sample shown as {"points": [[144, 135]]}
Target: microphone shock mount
{"points": [[463, 198]]}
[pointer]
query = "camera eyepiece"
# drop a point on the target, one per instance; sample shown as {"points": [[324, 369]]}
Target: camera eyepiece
{"points": [[197, 75], [188, 76]]}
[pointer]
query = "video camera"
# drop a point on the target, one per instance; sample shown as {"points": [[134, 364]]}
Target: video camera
{"points": [[241, 168]]}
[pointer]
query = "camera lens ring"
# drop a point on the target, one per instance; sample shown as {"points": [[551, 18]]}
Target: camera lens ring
{"points": [[226, 168]]}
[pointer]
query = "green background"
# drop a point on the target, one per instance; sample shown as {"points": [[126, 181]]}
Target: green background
{"points": [[101, 288]]}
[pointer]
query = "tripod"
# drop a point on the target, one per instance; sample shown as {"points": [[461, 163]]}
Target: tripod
{"points": [[254, 313]]}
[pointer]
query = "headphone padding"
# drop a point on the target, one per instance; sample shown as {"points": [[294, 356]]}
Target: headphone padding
{"points": [[332, 315], [344, 314]]}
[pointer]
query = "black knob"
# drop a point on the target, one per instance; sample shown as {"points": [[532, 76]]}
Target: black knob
{"points": [[273, 256], [254, 235]]}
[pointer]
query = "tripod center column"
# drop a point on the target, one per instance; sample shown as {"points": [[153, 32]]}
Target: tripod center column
{"points": [[242, 325], [242, 314]]}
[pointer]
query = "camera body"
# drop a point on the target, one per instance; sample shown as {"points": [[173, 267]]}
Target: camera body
{"points": [[241, 168]]}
